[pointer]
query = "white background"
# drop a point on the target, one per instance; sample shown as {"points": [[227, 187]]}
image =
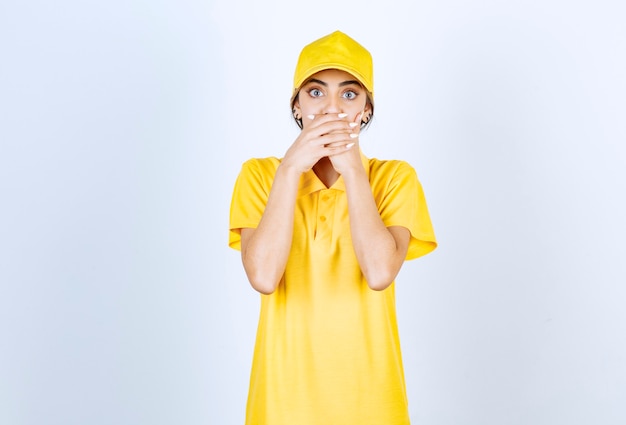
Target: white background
{"points": [[123, 125]]}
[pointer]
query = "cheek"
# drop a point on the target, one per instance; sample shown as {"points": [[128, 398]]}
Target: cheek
{"points": [[359, 105], [309, 106], [357, 108]]}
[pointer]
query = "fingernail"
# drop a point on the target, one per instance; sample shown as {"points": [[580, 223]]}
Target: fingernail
{"points": [[353, 124], [349, 145], [342, 115], [354, 135], [310, 117]]}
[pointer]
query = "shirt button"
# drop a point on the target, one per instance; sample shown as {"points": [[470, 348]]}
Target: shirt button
{"points": [[322, 218], [325, 198]]}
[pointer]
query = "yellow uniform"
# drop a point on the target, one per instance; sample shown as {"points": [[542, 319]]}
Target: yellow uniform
{"points": [[327, 350]]}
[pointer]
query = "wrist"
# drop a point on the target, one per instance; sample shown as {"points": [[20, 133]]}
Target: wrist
{"points": [[354, 173], [288, 171]]}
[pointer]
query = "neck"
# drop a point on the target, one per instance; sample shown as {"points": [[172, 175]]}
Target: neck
{"points": [[325, 171]]}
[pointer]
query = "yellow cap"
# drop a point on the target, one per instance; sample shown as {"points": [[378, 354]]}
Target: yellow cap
{"points": [[335, 51]]}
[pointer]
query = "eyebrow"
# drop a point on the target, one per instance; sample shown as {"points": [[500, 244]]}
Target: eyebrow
{"points": [[342, 84], [316, 81], [350, 82]]}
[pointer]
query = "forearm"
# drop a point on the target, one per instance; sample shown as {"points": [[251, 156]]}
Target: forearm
{"points": [[379, 251], [265, 250]]}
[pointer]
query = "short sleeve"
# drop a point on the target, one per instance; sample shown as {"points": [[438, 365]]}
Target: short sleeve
{"points": [[401, 202], [250, 195]]}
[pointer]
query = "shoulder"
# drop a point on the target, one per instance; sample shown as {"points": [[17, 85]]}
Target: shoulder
{"points": [[259, 169], [385, 171], [257, 174], [388, 165], [262, 165]]}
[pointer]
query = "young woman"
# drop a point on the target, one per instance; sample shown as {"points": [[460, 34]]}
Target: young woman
{"points": [[323, 233]]}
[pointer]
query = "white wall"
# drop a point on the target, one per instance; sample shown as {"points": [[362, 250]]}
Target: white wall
{"points": [[123, 125]]}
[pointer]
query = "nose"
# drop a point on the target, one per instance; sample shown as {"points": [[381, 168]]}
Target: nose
{"points": [[332, 106]]}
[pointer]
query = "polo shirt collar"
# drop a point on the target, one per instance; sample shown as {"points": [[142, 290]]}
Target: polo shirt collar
{"points": [[310, 183]]}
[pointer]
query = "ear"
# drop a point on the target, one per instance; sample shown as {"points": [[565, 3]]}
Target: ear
{"points": [[367, 113], [297, 112]]}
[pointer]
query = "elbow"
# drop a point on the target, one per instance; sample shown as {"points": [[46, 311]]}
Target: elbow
{"points": [[262, 278], [381, 274], [379, 286], [262, 284], [263, 287], [380, 281]]}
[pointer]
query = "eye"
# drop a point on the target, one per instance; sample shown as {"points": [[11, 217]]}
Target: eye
{"points": [[315, 93], [350, 95]]}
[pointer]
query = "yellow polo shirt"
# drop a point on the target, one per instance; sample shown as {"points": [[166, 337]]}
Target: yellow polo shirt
{"points": [[327, 349]]}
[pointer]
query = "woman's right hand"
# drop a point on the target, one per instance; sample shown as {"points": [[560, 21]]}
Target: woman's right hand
{"points": [[323, 135]]}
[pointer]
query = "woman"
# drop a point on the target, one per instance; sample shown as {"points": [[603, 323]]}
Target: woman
{"points": [[323, 233]]}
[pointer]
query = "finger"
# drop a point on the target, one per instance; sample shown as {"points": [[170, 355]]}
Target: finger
{"points": [[315, 120], [339, 137], [334, 126], [336, 150], [339, 144], [339, 115], [336, 138], [356, 124]]}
